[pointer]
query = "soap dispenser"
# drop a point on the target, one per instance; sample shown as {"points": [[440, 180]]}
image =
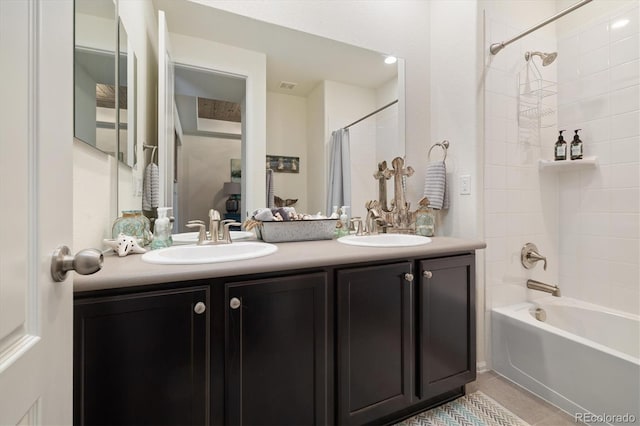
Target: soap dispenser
{"points": [[576, 147], [344, 217], [425, 218], [560, 148], [162, 230]]}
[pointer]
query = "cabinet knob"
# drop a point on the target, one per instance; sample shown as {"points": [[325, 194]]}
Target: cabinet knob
{"points": [[427, 274], [200, 308], [408, 276], [234, 303]]}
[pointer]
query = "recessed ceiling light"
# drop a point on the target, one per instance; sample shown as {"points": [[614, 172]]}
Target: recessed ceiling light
{"points": [[390, 60], [619, 23]]}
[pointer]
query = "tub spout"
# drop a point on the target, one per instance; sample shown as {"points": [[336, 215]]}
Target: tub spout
{"points": [[547, 288]]}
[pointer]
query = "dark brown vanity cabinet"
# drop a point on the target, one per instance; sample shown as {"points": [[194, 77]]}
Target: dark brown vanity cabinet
{"points": [[277, 351], [446, 324], [374, 323], [370, 343], [142, 358]]}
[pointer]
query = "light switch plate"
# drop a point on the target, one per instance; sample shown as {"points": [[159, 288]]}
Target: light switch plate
{"points": [[465, 184]]}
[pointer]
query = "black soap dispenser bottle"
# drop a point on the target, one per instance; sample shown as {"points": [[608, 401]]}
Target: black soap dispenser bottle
{"points": [[576, 147], [560, 148]]}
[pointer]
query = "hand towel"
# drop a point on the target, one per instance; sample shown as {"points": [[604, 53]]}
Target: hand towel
{"points": [[151, 187], [436, 185]]}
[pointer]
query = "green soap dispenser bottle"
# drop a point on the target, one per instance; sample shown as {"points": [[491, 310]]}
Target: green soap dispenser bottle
{"points": [[560, 148], [576, 147]]}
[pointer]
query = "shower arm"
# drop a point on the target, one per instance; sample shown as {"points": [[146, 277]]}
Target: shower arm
{"points": [[497, 47]]}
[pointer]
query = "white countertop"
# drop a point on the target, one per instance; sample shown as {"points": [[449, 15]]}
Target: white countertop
{"points": [[118, 272]]}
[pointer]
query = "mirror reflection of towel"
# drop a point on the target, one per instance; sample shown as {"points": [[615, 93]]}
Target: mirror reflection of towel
{"points": [[270, 189], [151, 187], [436, 185]]}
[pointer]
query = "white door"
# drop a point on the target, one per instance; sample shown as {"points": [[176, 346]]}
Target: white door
{"points": [[36, 131], [166, 126]]}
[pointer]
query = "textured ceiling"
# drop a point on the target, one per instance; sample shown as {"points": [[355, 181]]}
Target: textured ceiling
{"points": [[219, 110]]}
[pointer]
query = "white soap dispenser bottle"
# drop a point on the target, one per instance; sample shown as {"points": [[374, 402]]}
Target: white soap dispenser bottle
{"points": [[162, 230]]}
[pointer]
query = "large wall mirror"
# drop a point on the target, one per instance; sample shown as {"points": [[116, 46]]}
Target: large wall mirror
{"points": [[104, 92], [310, 85]]}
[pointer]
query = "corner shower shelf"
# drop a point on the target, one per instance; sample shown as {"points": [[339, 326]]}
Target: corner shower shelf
{"points": [[567, 165]]}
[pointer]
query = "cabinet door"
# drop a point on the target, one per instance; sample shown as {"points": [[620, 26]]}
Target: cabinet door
{"points": [[446, 325], [142, 359], [374, 341], [277, 351]]}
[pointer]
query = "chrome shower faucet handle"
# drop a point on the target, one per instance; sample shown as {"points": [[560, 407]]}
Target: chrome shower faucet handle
{"points": [[529, 256]]}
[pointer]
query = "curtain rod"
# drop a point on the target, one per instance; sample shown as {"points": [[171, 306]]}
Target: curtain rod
{"points": [[373, 113], [497, 47]]}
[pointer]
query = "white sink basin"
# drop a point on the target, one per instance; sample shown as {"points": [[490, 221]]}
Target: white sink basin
{"points": [[194, 254], [192, 237], [385, 240]]}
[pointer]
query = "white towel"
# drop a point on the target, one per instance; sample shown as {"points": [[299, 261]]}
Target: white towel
{"points": [[151, 187], [436, 185], [270, 190]]}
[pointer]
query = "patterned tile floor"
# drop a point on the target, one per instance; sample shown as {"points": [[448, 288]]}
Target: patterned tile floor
{"points": [[473, 409], [520, 402]]}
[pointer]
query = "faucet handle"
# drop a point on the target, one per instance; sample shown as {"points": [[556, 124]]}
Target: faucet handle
{"points": [[226, 235], [202, 230], [356, 225], [222, 223], [529, 255]]}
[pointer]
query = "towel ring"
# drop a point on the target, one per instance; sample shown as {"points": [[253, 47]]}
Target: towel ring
{"points": [[444, 145]]}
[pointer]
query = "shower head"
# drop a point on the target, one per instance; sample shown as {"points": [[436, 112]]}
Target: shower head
{"points": [[547, 58]]}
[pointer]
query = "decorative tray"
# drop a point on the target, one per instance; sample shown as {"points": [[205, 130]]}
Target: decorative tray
{"points": [[296, 230]]}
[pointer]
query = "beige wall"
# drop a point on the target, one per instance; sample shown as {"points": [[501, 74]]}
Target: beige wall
{"points": [[287, 136], [203, 169]]}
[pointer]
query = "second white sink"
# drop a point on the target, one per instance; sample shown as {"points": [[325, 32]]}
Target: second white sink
{"points": [[385, 240], [194, 254]]}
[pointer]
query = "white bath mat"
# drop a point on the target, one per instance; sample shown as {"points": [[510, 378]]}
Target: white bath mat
{"points": [[475, 409]]}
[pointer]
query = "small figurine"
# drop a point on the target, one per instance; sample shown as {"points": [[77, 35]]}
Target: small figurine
{"points": [[125, 244]]}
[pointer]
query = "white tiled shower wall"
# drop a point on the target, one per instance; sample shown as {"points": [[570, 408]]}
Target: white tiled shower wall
{"points": [[586, 222], [520, 204], [599, 209]]}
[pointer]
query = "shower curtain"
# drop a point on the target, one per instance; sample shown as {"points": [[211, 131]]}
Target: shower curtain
{"points": [[339, 192]]}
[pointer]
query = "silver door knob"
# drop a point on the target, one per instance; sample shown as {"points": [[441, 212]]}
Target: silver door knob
{"points": [[85, 262], [408, 276], [427, 274], [199, 308], [234, 303]]}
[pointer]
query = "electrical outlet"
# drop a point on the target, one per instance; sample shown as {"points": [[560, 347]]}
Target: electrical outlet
{"points": [[465, 184]]}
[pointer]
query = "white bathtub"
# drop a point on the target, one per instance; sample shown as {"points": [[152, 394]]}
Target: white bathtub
{"points": [[584, 358]]}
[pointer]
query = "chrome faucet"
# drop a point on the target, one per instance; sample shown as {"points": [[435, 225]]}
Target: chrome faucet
{"points": [[529, 256], [373, 219], [547, 288], [214, 223], [219, 231]]}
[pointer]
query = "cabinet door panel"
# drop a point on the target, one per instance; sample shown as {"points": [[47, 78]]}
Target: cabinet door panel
{"points": [[446, 324], [142, 359], [374, 343], [276, 352]]}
